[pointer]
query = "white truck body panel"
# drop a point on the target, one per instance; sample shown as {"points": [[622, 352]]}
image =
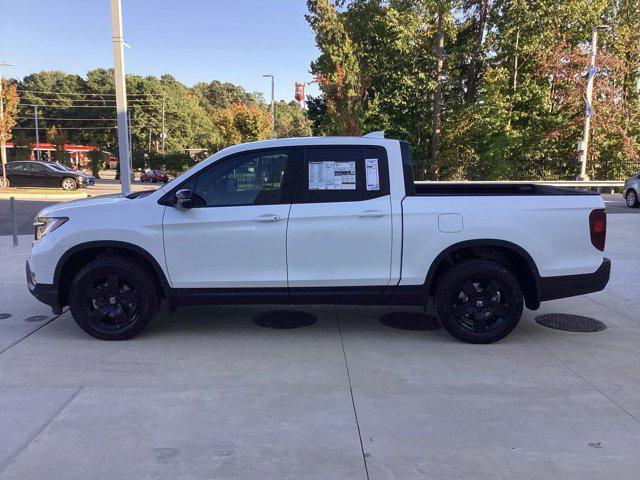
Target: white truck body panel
{"points": [[391, 240]]}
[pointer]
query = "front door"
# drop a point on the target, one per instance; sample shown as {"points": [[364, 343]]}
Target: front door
{"points": [[235, 235], [339, 232]]}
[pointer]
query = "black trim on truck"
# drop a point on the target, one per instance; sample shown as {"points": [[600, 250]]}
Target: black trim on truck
{"points": [[44, 292], [536, 289], [552, 288]]}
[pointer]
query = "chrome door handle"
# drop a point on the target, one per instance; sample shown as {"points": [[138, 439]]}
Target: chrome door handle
{"points": [[372, 214], [269, 217]]}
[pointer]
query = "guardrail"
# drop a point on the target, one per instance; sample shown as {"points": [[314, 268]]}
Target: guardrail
{"points": [[598, 185]]}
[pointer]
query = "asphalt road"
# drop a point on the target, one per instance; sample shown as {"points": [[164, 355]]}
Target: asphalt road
{"points": [[26, 210]]}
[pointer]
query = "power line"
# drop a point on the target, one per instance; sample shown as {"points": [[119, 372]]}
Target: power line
{"points": [[91, 94], [71, 119], [83, 106], [103, 100], [63, 128]]}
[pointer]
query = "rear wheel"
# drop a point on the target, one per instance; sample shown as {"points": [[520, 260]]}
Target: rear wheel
{"points": [[113, 298], [632, 198], [479, 301], [68, 183], [4, 182]]}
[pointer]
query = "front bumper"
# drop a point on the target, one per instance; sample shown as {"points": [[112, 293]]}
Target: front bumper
{"points": [[45, 293], [552, 288]]}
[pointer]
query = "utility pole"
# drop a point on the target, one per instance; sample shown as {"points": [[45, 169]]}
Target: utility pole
{"points": [[35, 117], [163, 132], [130, 142], [121, 96], [583, 146], [3, 147], [273, 106]]}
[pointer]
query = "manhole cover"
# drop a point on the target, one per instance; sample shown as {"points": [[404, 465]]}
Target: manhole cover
{"points": [[284, 319], [4, 315], [36, 318], [570, 323], [410, 321]]}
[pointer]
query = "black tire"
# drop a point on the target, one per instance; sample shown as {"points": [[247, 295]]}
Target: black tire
{"points": [[4, 182], [479, 301], [632, 198], [68, 183], [113, 298]]}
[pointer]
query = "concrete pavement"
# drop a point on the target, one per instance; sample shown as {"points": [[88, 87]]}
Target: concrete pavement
{"points": [[205, 393]]}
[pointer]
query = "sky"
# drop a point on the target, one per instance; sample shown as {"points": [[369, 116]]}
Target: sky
{"points": [[235, 41]]}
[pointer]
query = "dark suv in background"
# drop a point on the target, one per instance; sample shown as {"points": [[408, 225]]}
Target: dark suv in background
{"points": [[41, 174]]}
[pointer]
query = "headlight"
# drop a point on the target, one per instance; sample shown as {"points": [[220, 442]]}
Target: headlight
{"points": [[46, 225]]}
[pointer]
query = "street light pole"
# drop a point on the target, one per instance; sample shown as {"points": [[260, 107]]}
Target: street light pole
{"points": [[583, 146], [35, 117], [273, 106], [3, 147], [121, 96]]}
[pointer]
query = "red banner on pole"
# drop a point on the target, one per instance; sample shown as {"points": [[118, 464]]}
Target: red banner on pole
{"points": [[299, 96]]}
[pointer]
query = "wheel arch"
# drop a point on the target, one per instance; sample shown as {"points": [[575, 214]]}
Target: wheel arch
{"points": [[79, 255], [506, 253]]}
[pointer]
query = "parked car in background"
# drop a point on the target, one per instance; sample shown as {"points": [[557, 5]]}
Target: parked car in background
{"points": [[91, 180], [631, 191], [154, 176], [30, 173]]}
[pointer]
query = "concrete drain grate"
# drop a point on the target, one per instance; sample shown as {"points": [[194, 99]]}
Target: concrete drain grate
{"points": [[4, 316], [410, 321], [570, 323], [280, 319], [36, 318]]}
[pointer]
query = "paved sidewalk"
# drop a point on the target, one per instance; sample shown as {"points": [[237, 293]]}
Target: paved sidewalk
{"points": [[205, 393]]}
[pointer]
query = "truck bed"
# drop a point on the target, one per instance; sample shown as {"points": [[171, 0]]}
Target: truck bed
{"points": [[492, 189]]}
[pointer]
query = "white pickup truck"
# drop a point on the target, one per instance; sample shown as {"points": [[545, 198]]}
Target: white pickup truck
{"points": [[319, 221]]}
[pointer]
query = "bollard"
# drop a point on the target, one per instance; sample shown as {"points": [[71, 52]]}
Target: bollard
{"points": [[12, 200]]}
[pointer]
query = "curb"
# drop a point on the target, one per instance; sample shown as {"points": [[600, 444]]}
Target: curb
{"points": [[47, 196]]}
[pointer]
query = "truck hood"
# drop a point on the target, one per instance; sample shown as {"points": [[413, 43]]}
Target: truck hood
{"points": [[62, 209]]}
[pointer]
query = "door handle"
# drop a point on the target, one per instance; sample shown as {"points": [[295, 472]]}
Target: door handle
{"points": [[269, 217], [372, 214]]}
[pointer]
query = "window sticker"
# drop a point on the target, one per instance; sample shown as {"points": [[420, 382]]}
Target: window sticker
{"points": [[373, 176], [332, 175]]}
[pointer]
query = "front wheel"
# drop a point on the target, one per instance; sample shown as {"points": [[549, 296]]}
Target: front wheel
{"points": [[113, 298], [632, 199], [479, 301], [68, 183]]}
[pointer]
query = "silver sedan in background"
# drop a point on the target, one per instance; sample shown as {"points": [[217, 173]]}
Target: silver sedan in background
{"points": [[631, 191]]}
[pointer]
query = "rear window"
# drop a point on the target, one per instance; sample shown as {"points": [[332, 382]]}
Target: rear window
{"points": [[342, 174]]}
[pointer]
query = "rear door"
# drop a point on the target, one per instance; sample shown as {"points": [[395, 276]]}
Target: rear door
{"points": [[339, 232], [40, 175], [18, 174]]}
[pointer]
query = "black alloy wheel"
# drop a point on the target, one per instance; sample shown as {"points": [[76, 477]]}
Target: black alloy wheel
{"points": [[480, 305], [479, 301], [114, 298], [111, 302]]}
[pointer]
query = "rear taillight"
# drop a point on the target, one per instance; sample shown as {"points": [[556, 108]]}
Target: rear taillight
{"points": [[598, 228]]}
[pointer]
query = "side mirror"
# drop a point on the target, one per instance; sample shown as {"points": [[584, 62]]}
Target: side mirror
{"points": [[184, 198]]}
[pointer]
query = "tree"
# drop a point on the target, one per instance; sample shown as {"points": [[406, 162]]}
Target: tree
{"points": [[98, 161], [337, 70]]}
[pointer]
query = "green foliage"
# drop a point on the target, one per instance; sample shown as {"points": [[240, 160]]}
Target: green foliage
{"points": [[98, 161], [206, 116], [526, 60]]}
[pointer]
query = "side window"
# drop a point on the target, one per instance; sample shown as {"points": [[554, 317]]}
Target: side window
{"points": [[254, 178], [342, 174], [37, 168], [18, 167]]}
